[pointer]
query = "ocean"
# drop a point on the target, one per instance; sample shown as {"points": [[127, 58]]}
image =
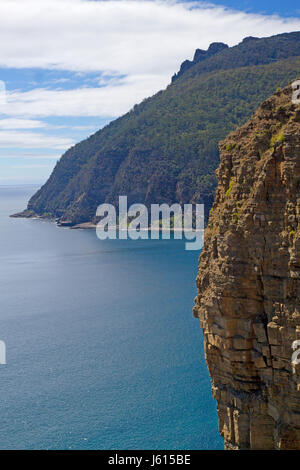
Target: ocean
{"points": [[102, 349]]}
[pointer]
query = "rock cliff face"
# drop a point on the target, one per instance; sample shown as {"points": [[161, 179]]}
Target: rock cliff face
{"points": [[249, 281]]}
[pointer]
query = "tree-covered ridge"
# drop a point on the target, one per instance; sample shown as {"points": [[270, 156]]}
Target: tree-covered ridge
{"points": [[165, 149]]}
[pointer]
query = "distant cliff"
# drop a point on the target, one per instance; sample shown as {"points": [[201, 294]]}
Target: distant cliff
{"points": [[249, 281], [165, 149], [199, 56]]}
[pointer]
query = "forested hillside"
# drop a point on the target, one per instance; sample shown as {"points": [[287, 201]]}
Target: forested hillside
{"points": [[165, 149]]}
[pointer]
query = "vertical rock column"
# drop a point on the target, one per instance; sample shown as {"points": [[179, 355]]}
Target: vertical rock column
{"points": [[248, 282]]}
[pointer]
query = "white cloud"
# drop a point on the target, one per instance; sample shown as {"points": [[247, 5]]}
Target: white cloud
{"points": [[110, 101], [145, 41], [18, 123], [131, 37], [13, 139], [20, 179], [29, 166], [29, 156], [21, 124]]}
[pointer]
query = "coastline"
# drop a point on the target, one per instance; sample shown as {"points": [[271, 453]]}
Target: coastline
{"points": [[92, 226]]}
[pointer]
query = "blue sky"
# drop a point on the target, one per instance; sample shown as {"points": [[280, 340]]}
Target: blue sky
{"points": [[71, 66], [288, 8]]}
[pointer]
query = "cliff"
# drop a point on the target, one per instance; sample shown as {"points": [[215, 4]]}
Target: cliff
{"points": [[165, 149], [249, 280]]}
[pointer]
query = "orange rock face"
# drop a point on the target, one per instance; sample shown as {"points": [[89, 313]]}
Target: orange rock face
{"points": [[249, 281]]}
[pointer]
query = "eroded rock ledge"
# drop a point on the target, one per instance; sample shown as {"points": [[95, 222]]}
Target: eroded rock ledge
{"points": [[249, 281]]}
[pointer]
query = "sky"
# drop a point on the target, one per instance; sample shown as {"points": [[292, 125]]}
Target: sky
{"points": [[69, 67]]}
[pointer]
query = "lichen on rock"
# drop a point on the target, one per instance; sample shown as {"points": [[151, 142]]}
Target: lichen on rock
{"points": [[248, 282]]}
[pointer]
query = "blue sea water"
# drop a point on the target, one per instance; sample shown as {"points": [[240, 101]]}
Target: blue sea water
{"points": [[102, 349]]}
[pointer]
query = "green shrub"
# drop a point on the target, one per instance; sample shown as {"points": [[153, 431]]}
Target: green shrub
{"points": [[230, 187], [277, 138], [292, 233]]}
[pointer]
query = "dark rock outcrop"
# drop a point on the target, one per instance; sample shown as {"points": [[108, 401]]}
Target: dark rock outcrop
{"points": [[199, 56]]}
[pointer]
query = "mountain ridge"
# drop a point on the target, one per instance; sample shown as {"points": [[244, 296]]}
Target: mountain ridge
{"points": [[227, 57]]}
